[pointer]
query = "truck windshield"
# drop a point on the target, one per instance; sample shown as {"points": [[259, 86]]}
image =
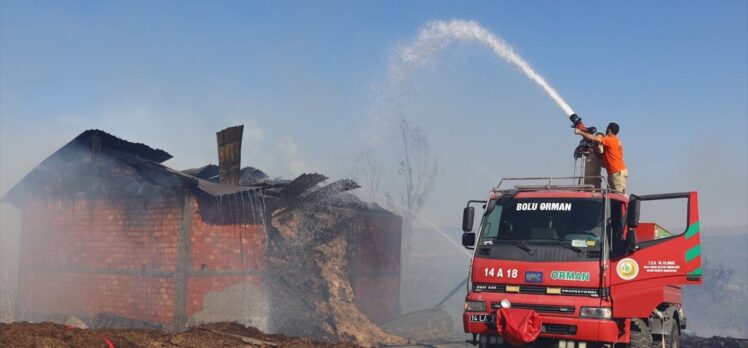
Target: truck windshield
{"points": [[573, 223]]}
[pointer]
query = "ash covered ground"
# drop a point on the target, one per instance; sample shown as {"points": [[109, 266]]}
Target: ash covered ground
{"points": [[47, 334], [210, 335]]}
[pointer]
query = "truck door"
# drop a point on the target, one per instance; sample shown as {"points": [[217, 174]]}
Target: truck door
{"points": [[652, 271]]}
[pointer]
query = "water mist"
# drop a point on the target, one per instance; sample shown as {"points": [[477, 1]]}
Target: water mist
{"points": [[437, 35]]}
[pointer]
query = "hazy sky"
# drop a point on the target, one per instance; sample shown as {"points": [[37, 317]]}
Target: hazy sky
{"points": [[309, 81]]}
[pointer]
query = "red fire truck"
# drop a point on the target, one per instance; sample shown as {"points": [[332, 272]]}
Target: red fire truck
{"points": [[571, 266]]}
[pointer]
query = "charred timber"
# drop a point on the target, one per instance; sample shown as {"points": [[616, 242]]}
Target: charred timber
{"points": [[229, 154]]}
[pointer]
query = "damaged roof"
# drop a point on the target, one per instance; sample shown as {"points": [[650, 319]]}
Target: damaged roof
{"points": [[98, 164], [211, 172], [113, 143]]}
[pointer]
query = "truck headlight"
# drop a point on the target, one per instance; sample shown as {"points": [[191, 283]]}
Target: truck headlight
{"points": [[475, 306], [596, 312]]}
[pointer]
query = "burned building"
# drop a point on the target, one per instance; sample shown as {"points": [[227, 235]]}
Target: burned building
{"points": [[107, 228]]}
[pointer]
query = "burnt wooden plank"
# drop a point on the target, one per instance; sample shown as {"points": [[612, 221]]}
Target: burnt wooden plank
{"points": [[229, 154], [300, 185]]}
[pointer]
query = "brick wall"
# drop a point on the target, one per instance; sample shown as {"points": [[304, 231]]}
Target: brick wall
{"points": [[376, 267], [223, 256], [85, 257], [227, 247], [86, 294]]}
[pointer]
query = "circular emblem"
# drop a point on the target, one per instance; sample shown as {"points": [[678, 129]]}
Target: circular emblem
{"points": [[627, 269]]}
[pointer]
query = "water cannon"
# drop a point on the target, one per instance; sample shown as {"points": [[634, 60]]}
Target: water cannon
{"points": [[577, 123], [586, 147]]}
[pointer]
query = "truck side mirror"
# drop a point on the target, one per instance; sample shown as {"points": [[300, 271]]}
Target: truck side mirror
{"points": [[631, 240], [467, 220], [468, 240], [632, 219]]}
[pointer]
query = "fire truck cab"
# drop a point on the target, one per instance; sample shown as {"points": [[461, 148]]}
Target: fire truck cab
{"points": [[572, 266]]}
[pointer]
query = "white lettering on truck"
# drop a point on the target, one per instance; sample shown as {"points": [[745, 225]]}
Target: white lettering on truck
{"points": [[501, 273], [546, 206]]}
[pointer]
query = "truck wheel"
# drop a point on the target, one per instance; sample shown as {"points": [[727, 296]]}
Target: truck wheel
{"points": [[640, 334], [671, 341]]}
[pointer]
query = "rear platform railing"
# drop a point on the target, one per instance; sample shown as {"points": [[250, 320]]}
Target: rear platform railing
{"points": [[549, 184]]}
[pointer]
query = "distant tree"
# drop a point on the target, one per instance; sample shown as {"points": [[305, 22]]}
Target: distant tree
{"points": [[418, 169]]}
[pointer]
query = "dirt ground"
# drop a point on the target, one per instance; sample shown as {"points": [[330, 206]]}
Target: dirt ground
{"points": [[21, 334]]}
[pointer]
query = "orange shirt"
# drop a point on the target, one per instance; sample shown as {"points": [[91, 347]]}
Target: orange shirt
{"points": [[612, 154]]}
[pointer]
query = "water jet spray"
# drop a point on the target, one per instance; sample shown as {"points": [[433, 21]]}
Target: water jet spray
{"points": [[436, 35]]}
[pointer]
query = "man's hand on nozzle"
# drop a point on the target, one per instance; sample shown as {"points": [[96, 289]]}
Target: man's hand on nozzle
{"points": [[588, 136]]}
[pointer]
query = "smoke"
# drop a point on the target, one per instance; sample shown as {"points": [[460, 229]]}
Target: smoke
{"points": [[718, 306], [9, 221], [186, 130], [297, 162]]}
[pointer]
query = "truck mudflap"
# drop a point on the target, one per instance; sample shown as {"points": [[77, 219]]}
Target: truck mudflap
{"points": [[518, 326], [570, 328]]}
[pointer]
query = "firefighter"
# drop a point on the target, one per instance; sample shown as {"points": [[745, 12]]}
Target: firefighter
{"points": [[612, 156]]}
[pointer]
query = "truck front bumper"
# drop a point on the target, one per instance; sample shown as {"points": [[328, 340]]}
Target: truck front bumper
{"points": [[569, 328]]}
